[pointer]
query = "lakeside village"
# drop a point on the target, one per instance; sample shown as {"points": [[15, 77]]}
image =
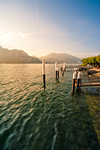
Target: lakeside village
{"points": [[91, 67], [91, 61]]}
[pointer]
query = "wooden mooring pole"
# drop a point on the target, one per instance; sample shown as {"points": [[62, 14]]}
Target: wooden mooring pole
{"points": [[43, 72], [63, 69], [73, 82], [56, 70], [78, 81]]}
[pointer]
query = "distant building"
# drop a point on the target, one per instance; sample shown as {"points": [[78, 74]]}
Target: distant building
{"points": [[88, 65], [98, 63]]}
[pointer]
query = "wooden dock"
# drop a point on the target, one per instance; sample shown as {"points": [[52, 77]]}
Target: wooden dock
{"points": [[91, 84], [93, 78]]}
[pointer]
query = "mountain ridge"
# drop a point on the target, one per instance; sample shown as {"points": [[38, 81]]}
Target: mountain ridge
{"points": [[60, 58], [19, 56], [16, 56]]}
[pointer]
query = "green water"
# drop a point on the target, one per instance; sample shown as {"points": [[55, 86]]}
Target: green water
{"points": [[32, 118]]}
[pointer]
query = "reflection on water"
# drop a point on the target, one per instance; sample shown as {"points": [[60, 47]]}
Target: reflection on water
{"points": [[52, 119]]}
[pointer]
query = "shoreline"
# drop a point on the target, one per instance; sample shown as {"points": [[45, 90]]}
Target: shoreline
{"points": [[94, 76], [94, 71]]}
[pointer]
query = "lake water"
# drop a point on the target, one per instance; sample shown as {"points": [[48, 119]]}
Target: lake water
{"points": [[32, 118]]}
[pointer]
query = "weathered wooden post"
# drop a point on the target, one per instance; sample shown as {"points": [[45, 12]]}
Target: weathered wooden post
{"points": [[56, 66], [43, 72], [63, 69], [78, 81], [64, 66], [57, 75], [56, 70], [73, 82]]}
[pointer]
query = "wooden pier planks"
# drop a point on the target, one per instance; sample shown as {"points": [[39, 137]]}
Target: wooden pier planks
{"points": [[91, 84]]}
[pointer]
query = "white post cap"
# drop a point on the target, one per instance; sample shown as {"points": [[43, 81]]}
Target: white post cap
{"points": [[79, 75], [74, 75], [57, 69], [43, 66], [56, 65]]}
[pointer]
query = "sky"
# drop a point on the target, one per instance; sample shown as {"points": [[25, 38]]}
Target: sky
{"points": [[40, 27]]}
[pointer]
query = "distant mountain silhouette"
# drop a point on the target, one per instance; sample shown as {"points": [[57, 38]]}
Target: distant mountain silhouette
{"points": [[34, 56], [16, 56], [60, 58]]}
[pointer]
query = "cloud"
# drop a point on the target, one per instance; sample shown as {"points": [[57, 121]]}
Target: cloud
{"points": [[89, 33], [80, 41], [14, 34], [24, 35], [10, 34], [94, 31]]}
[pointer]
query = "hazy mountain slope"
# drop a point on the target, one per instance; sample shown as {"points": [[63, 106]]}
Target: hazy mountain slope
{"points": [[16, 56], [49, 60], [34, 56], [63, 57]]}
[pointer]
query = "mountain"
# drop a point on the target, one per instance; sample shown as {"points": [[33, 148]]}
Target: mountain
{"points": [[60, 58], [34, 56], [16, 56]]}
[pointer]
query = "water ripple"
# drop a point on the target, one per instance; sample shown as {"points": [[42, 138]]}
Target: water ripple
{"points": [[50, 119]]}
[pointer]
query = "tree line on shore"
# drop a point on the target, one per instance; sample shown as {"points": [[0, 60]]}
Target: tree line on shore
{"points": [[93, 61]]}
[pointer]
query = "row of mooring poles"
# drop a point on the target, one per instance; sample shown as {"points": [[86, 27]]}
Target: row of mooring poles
{"points": [[76, 76], [43, 72], [76, 80]]}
